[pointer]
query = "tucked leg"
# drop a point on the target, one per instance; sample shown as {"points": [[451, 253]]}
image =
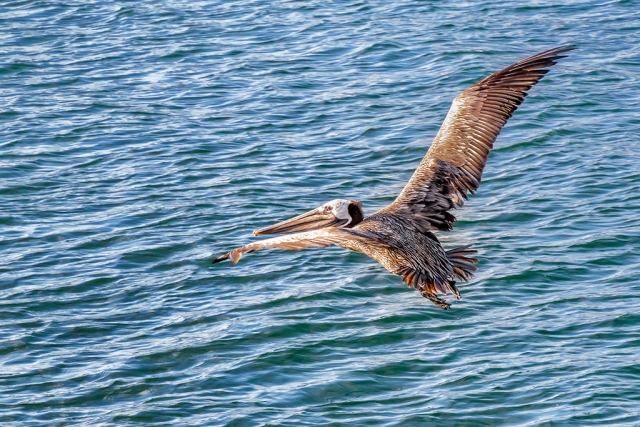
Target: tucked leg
{"points": [[434, 299]]}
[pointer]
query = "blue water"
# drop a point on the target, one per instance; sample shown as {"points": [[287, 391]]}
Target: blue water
{"points": [[140, 139]]}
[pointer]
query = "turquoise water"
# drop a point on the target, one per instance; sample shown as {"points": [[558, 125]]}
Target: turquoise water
{"points": [[140, 139]]}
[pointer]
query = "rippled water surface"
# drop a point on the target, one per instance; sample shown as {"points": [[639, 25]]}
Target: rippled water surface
{"points": [[140, 139]]}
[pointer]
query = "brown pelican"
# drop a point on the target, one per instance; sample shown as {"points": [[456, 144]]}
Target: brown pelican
{"points": [[400, 236]]}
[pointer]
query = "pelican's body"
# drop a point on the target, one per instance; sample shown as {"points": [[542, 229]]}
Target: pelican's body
{"points": [[400, 236], [417, 256]]}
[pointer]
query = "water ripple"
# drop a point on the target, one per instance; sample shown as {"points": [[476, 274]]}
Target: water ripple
{"points": [[140, 139]]}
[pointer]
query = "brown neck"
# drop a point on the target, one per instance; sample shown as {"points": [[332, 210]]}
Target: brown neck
{"points": [[356, 215]]}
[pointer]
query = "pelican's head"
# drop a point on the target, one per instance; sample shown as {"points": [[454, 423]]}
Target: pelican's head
{"points": [[336, 213]]}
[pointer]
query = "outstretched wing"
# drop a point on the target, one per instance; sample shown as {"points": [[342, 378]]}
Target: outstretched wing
{"points": [[295, 242], [454, 163]]}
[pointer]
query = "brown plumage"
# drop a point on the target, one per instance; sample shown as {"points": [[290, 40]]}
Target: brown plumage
{"points": [[400, 236]]}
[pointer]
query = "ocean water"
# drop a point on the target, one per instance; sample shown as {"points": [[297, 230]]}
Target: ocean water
{"points": [[140, 139]]}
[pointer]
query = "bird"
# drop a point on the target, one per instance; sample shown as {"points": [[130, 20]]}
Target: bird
{"points": [[401, 236]]}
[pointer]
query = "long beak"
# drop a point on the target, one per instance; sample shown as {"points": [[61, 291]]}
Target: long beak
{"points": [[308, 221]]}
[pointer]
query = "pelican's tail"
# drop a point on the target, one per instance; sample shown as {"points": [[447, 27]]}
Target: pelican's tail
{"points": [[463, 265]]}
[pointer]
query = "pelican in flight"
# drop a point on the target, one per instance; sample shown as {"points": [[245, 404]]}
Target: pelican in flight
{"points": [[401, 236]]}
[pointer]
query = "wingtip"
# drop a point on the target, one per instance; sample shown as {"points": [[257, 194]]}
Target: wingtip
{"points": [[556, 52], [234, 256], [220, 259], [553, 55], [563, 49]]}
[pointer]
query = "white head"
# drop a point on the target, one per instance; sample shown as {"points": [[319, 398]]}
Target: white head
{"points": [[336, 213], [340, 209]]}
